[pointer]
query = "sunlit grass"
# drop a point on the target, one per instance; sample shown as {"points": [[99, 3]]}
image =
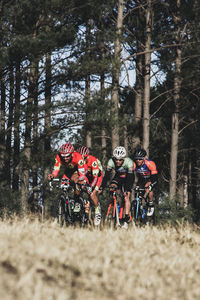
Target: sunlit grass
{"points": [[44, 261]]}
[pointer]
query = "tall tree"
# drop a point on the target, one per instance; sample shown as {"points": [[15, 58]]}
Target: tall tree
{"points": [[9, 126], [176, 99], [139, 85], [116, 66], [16, 125], [26, 154], [2, 125], [147, 68], [87, 87]]}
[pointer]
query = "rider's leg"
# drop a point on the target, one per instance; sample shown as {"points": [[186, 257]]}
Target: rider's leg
{"points": [[150, 196], [150, 202], [127, 206], [149, 193], [75, 178], [97, 212], [94, 198]]}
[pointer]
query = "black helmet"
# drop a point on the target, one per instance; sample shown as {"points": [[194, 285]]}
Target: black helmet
{"points": [[139, 154]]}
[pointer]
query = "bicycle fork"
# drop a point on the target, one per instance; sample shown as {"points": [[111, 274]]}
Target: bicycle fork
{"points": [[115, 210], [137, 209]]}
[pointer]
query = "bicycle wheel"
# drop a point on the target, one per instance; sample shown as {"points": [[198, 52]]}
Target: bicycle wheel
{"points": [[84, 217], [61, 211], [78, 213], [108, 222], [112, 217], [137, 212], [151, 220]]}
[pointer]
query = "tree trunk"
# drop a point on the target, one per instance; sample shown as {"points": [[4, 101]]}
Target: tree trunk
{"points": [[9, 127], [88, 113], [125, 135], [104, 118], [139, 85], [34, 206], [183, 191], [15, 182], [115, 77], [146, 107], [175, 115], [174, 155], [47, 118], [138, 102], [2, 128], [26, 154], [47, 130], [87, 93]]}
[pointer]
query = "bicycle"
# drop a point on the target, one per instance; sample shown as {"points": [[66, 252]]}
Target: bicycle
{"points": [[69, 210], [139, 207], [115, 210]]}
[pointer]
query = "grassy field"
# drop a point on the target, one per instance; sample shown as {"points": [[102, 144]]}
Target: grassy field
{"points": [[43, 261]]}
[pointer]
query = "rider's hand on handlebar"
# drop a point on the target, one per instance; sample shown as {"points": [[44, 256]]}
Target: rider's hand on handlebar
{"points": [[149, 187], [50, 177], [89, 189], [71, 183], [100, 191]]}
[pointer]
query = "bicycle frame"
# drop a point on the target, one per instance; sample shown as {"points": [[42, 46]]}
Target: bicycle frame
{"points": [[69, 210], [138, 208], [115, 204]]}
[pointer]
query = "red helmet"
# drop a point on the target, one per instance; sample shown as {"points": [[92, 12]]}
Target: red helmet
{"points": [[84, 151], [66, 149]]}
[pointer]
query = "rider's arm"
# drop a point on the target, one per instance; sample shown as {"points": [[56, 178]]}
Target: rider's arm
{"points": [[81, 166], [96, 172], [99, 181], [130, 177], [154, 180], [154, 173], [109, 168], [57, 166], [129, 181], [106, 178]]}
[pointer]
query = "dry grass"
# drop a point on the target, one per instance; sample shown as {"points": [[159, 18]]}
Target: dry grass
{"points": [[43, 261]]}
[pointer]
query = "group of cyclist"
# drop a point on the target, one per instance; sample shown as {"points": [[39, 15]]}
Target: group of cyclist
{"points": [[84, 168]]}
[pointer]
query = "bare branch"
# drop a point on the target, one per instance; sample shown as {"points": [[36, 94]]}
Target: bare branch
{"points": [[187, 126]]}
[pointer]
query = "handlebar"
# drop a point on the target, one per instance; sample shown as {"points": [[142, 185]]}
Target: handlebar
{"points": [[113, 188], [62, 183], [85, 187], [142, 192], [138, 189]]}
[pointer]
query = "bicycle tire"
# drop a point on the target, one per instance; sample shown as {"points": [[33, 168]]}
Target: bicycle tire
{"points": [[112, 219], [61, 211]]}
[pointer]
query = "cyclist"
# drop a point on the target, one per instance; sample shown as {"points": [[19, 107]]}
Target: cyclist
{"points": [[72, 161], [123, 178], [94, 174], [147, 174]]}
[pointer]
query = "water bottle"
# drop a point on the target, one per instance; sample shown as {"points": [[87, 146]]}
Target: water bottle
{"points": [[72, 202], [143, 213], [118, 208]]}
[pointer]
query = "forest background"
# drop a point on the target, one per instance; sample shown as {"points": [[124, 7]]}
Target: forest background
{"points": [[99, 74]]}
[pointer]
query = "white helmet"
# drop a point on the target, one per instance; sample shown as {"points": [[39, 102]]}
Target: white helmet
{"points": [[119, 152]]}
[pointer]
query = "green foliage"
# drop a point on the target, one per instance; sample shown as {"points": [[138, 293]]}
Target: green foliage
{"points": [[79, 36], [9, 202], [168, 211]]}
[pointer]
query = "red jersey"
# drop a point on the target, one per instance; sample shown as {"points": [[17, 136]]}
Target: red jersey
{"points": [[76, 164], [94, 171]]}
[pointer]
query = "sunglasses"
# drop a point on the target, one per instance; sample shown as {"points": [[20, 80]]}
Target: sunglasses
{"points": [[118, 159], [140, 159], [65, 155]]}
